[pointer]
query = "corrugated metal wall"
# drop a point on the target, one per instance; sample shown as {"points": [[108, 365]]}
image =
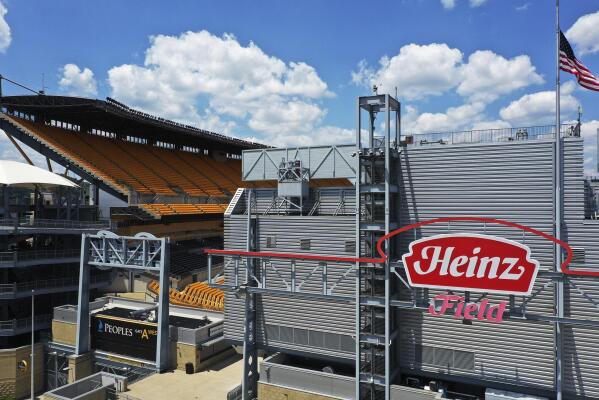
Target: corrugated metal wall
{"points": [[512, 181], [322, 327]]}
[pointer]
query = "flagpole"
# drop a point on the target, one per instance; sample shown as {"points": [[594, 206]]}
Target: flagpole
{"points": [[559, 286]]}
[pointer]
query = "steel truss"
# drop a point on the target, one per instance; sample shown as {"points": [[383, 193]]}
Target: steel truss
{"points": [[376, 326], [142, 252]]}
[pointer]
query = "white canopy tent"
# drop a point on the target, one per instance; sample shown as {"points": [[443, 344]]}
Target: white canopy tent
{"points": [[16, 174]]}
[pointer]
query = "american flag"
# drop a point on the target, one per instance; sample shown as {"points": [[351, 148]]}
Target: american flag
{"points": [[569, 63]]}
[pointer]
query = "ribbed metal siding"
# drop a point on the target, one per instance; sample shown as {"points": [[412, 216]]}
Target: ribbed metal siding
{"points": [[512, 181], [581, 359], [328, 236], [234, 239]]}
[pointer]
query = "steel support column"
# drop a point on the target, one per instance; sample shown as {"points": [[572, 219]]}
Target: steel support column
{"points": [[249, 384], [83, 342], [162, 346]]}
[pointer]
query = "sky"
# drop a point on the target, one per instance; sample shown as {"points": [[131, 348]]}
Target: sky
{"points": [[287, 73]]}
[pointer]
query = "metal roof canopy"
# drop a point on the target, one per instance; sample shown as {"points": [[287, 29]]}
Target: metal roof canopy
{"points": [[112, 116]]}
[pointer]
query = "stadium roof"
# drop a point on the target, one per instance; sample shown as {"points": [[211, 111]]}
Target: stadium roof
{"points": [[112, 116], [16, 174]]}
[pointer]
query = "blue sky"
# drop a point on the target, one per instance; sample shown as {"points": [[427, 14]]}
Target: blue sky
{"points": [[288, 73]]}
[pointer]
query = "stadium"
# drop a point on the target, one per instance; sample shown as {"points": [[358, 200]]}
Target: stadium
{"points": [[220, 248]]}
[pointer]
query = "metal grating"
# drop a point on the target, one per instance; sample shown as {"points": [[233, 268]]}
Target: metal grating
{"points": [[305, 244], [446, 358], [272, 332], [300, 336], [350, 246], [578, 255], [316, 338], [286, 334], [271, 241], [309, 337], [463, 360]]}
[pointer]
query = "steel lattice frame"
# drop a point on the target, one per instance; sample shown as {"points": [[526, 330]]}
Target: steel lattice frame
{"points": [[142, 252]]}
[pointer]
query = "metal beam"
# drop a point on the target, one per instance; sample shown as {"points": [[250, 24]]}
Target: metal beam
{"points": [[14, 142], [37, 146]]}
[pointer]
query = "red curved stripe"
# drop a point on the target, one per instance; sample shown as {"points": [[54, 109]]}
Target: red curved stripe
{"points": [[381, 241]]}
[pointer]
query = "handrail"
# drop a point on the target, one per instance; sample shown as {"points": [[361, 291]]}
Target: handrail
{"points": [[54, 223], [383, 257], [16, 287], [12, 324], [21, 255], [493, 135]]}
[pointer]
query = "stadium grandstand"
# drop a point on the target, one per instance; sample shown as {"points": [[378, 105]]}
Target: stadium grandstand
{"points": [[168, 178]]}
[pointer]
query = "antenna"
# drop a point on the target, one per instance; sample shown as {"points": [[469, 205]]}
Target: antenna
{"points": [[43, 91]]}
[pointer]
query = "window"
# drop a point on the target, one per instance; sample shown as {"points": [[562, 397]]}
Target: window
{"points": [[271, 241]]}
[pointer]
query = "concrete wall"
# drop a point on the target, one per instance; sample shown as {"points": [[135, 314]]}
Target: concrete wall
{"points": [[15, 383], [201, 356], [64, 332]]}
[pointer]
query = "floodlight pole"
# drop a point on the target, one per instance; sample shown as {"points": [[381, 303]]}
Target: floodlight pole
{"points": [[32, 344], [557, 175]]}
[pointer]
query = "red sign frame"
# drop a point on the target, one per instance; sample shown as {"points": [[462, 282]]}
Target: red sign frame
{"points": [[471, 262]]}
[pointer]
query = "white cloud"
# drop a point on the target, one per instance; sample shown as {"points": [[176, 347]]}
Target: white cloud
{"points": [[539, 108], [453, 118], [321, 135], [448, 4], [291, 116], [487, 75], [218, 83], [477, 3], [497, 124], [523, 7], [78, 82], [5, 34], [584, 34], [417, 71]]}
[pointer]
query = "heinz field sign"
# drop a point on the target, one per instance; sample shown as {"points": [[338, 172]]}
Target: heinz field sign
{"points": [[470, 262]]}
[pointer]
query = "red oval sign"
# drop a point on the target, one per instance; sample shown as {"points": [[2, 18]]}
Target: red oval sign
{"points": [[473, 262]]}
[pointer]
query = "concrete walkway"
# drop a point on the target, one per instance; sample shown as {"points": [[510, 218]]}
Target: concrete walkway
{"points": [[211, 384]]}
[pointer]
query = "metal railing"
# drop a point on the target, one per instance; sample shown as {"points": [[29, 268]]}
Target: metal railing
{"points": [[494, 135], [54, 223], [23, 323], [14, 288], [8, 257]]}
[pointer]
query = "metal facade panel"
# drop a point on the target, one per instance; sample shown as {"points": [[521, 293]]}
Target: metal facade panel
{"points": [[512, 182], [328, 236], [514, 353]]}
